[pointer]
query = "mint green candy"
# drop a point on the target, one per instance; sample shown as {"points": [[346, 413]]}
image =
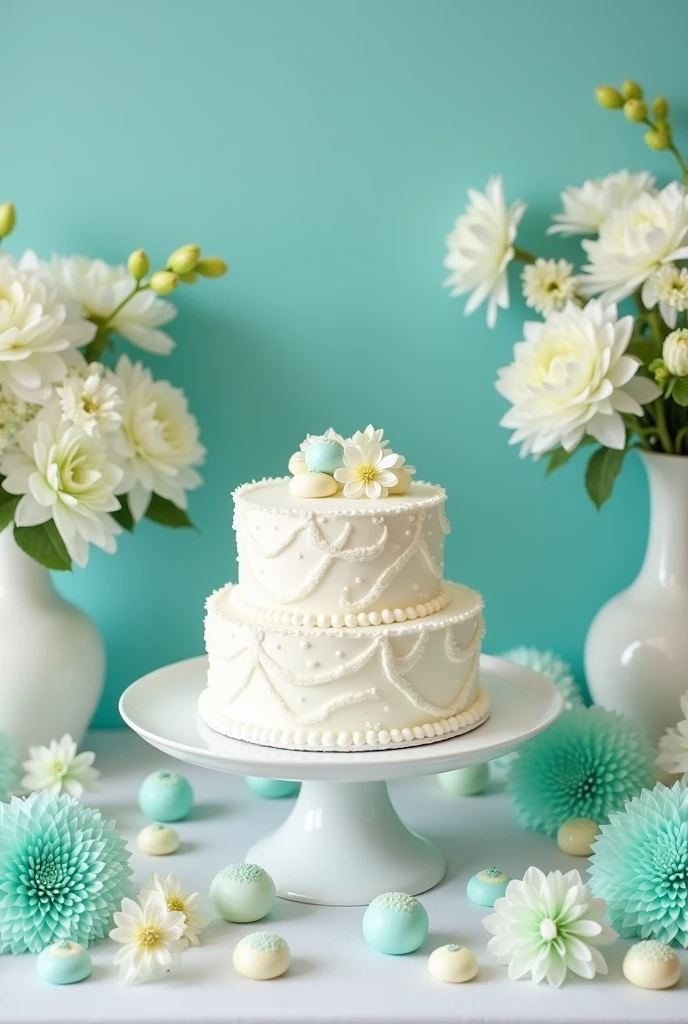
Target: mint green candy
{"points": [[395, 923], [165, 796]]}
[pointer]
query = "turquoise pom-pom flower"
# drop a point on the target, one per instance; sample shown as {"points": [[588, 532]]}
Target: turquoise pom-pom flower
{"points": [[586, 765], [9, 767], [639, 865], [63, 873], [550, 665]]}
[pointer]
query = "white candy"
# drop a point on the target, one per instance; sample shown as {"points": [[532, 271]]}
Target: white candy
{"points": [[297, 464], [313, 485], [577, 835], [157, 840], [403, 483], [651, 964], [453, 964], [261, 956]]}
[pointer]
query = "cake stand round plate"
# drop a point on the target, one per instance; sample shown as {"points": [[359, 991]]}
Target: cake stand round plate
{"points": [[343, 843]]}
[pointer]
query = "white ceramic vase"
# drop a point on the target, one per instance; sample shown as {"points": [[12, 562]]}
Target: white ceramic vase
{"points": [[636, 651], [52, 659]]}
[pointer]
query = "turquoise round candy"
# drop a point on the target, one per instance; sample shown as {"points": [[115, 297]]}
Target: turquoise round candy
{"points": [[64, 963], [165, 796], [324, 457], [272, 789], [395, 923], [242, 893], [465, 781], [487, 886]]}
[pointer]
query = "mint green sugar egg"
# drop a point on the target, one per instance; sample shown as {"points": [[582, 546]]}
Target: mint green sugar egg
{"points": [[165, 796], [395, 923], [242, 893]]}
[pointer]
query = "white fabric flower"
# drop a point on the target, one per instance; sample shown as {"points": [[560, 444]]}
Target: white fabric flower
{"points": [[151, 938], [58, 768], [64, 475], [362, 437], [547, 925], [673, 746], [171, 890], [571, 377], [100, 288], [548, 285], [667, 286], [587, 206], [675, 352], [367, 471], [15, 413], [636, 240], [89, 398], [481, 246], [36, 331], [158, 443], [329, 435]]}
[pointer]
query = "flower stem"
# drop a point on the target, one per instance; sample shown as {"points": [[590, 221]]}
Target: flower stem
{"points": [[662, 428], [94, 349], [680, 438], [523, 255]]}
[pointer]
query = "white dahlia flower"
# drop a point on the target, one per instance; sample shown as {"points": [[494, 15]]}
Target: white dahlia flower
{"points": [[636, 240], [69, 477], [158, 442], [571, 377], [480, 248], [548, 285], [36, 331], [668, 286], [99, 288], [587, 206], [89, 398]]}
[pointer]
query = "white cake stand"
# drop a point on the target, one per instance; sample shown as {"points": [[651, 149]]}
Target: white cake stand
{"points": [[343, 843]]}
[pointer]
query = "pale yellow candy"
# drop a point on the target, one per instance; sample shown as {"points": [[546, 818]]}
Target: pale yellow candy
{"points": [[651, 964], [262, 956], [453, 964], [577, 835], [403, 483], [313, 485], [157, 840], [297, 464]]}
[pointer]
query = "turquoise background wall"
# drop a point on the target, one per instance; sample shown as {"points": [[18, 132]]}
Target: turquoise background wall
{"points": [[325, 149]]}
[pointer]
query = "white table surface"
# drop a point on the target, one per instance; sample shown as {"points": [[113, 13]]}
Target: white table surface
{"points": [[334, 976]]}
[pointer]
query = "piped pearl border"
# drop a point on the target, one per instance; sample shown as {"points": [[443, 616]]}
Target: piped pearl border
{"points": [[392, 505], [346, 742], [339, 621]]}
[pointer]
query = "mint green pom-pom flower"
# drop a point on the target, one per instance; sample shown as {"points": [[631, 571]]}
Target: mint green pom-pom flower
{"points": [[9, 767], [640, 866], [63, 873], [586, 765]]}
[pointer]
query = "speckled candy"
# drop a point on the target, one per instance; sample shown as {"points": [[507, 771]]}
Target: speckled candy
{"points": [[395, 923], [242, 893], [324, 457], [651, 964], [297, 464], [64, 963], [577, 835], [487, 886], [453, 964], [157, 840], [262, 956], [272, 789], [465, 781], [165, 796]]}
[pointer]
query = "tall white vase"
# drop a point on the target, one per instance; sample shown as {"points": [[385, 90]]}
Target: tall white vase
{"points": [[636, 651], [52, 659]]}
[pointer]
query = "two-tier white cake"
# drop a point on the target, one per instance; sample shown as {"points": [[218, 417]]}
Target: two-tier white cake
{"points": [[341, 633]]}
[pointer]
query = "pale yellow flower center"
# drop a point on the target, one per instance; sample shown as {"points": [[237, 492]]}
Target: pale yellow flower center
{"points": [[176, 903], [57, 768], [366, 473], [149, 937]]}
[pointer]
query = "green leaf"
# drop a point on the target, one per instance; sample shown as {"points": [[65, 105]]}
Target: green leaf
{"points": [[602, 470], [8, 504], [166, 513], [679, 392], [123, 515], [44, 544], [559, 457]]}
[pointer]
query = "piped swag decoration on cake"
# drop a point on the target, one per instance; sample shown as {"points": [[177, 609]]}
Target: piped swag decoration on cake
{"points": [[363, 465]]}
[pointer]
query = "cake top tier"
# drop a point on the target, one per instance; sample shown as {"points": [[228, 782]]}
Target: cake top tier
{"points": [[274, 495]]}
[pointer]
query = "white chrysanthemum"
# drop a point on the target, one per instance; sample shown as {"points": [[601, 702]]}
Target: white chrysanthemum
{"points": [[673, 746], [675, 352], [171, 890], [547, 925], [100, 288], [668, 286], [571, 377], [587, 206], [481, 246], [89, 398], [151, 938], [367, 470], [548, 285], [15, 413], [36, 331], [64, 475], [158, 442], [58, 768], [636, 240]]}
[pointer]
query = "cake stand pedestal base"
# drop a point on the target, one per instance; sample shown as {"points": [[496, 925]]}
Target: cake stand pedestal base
{"points": [[347, 830]]}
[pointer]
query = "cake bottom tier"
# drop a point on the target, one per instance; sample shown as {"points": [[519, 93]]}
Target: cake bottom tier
{"points": [[369, 688]]}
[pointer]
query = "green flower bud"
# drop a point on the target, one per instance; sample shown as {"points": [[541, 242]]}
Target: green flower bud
{"points": [[211, 266], [660, 107], [656, 140], [184, 260], [635, 110], [660, 372], [675, 352], [189, 278], [163, 282], [138, 264], [663, 126], [8, 219], [630, 90], [609, 97]]}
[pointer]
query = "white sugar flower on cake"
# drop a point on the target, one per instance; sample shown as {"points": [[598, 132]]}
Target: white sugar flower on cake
{"points": [[58, 768], [588, 205], [367, 470], [667, 287], [480, 248], [673, 746], [329, 436]]}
